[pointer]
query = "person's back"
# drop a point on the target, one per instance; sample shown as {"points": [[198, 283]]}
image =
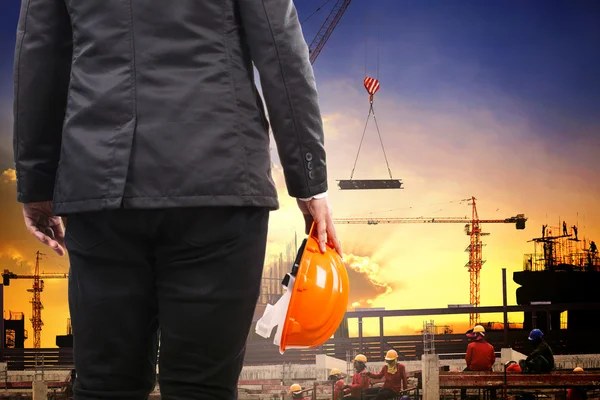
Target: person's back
{"points": [[162, 110], [139, 120], [480, 356]]}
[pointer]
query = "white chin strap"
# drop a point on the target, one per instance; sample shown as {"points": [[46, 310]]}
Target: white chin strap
{"points": [[274, 316]]}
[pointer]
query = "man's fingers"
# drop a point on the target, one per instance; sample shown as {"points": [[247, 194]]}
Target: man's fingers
{"points": [[333, 239], [45, 239], [322, 234]]}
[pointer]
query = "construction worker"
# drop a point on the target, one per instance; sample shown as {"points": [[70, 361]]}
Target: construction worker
{"points": [[297, 392], [360, 379], [541, 360], [480, 354], [338, 387], [395, 378], [577, 393]]}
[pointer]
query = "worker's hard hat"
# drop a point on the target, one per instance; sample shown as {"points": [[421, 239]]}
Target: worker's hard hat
{"points": [[335, 371], [314, 304], [361, 358], [578, 369], [535, 334], [513, 368], [479, 329], [391, 355], [295, 388]]}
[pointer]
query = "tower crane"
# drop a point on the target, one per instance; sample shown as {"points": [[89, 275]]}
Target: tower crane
{"points": [[37, 288], [472, 228], [327, 28]]}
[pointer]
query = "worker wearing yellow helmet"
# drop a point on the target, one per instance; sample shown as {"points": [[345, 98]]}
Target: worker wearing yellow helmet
{"points": [[395, 379], [577, 393], [480, 354], [360, 381], [296, 392], [338, 383]]}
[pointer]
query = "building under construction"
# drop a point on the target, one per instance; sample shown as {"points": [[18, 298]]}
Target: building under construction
{"points": [[563, 269]]}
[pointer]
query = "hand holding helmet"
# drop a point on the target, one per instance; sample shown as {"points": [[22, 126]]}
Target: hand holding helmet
{"points": [[318, 211]]}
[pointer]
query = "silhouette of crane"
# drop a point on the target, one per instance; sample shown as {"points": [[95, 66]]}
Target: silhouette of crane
{"points": [[472, 228], [37, 288]]}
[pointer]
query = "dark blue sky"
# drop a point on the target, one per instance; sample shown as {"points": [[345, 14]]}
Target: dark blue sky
{"points": [[543, 55]]}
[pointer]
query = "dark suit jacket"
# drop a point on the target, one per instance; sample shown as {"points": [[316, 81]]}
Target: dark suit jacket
{"points": [[152, 104]]}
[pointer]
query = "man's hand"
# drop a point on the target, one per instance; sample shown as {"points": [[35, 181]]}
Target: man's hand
{"points": [[319, 212], [46, 228]]}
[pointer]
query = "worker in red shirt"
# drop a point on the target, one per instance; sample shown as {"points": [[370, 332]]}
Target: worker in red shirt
{"points": [[395, 378], [360, 381], [480, 354], [297, 392], [338, 386], [577, 393]]}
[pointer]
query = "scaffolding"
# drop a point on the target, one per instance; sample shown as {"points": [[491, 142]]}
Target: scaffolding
{"points": [[561, 248], [428, 337]]}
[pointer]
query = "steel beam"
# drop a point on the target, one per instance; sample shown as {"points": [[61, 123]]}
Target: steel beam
{"points": [[517, 380], [469, 310]]}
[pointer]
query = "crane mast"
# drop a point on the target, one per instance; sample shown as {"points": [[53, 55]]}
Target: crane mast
{"points": [[472, 228], [327, 28], [36, 289]]}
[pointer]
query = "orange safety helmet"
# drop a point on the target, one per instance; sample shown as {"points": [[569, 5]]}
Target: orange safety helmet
{"points": [[314, 304], [391, 355], [295, 388]]}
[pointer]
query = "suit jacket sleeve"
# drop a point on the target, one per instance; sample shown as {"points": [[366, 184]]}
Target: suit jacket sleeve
{"points": [[278, 49], [42, 68]]}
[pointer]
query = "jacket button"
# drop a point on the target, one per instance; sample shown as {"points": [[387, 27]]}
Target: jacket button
{"points": [[309, 165], [308, 156], [311, 174]]}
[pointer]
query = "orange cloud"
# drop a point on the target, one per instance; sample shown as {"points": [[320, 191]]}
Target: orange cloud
{"points": [[366, 267], [9, 175]]}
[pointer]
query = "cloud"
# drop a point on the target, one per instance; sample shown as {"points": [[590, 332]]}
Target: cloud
{"points": [[366, 284], [9, 175]]}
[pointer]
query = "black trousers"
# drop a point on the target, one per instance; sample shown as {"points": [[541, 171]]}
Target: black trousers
{"points": [[194, 273]]}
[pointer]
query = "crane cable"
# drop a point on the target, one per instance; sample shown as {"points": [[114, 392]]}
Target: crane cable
{"points": [[372, 86]]}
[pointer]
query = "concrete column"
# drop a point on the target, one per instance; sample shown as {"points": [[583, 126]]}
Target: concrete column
{"points": [[431, 376], [40, 390]]}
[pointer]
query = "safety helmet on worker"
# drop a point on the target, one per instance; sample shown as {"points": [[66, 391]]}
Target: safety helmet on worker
{"points": [[360, 358], [578, 369], [335, 372], [295, 389], [536, 334], [315, 302], [479, 329], [391, 355]]}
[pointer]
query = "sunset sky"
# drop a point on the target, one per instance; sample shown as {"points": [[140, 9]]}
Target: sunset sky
{"points": [[497, 100]]}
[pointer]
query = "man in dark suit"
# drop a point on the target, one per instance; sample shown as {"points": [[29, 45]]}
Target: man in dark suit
{"points": [[140, 122]]}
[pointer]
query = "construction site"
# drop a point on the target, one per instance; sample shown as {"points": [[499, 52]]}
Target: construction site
{"points": [[557, 294]]}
